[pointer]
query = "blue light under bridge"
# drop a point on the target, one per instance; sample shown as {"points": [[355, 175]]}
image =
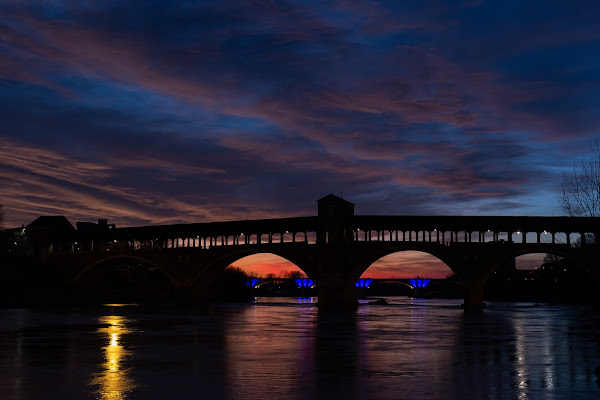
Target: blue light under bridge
{"points": [[304, 282], [363, 283], [419, 282], [252, 282]]}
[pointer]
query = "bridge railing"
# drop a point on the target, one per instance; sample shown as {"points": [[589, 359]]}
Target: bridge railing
{"points": [[199, 236], [442, 230], [448, 230]]}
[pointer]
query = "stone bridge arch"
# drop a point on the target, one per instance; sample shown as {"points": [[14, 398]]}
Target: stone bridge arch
{"points": [[96, 263], [518, 251], [206, 269], [222, 261], [584, 259], [364, 259], [122, 278]]}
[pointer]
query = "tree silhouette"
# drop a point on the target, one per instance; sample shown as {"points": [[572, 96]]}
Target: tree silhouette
{"points": [[1, 218], [581, 189]]}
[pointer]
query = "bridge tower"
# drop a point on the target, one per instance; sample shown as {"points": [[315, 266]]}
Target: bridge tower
{"points": [[334, 267]]}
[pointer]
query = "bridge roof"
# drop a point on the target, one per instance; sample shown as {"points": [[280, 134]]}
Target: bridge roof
{"points": [[206, 229], [477, 223], [362, 222]]}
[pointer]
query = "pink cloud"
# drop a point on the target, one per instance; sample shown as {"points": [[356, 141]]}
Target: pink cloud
{"points": [[39, 181]]}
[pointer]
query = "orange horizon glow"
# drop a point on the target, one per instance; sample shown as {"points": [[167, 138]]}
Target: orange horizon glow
{"points": [[401, 265], [263, 264]]}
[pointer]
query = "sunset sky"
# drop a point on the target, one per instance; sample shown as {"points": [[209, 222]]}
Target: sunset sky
{"points": [[146, 112]]}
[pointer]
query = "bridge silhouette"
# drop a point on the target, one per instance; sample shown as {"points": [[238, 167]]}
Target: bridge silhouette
{"points": [[333, 248]]}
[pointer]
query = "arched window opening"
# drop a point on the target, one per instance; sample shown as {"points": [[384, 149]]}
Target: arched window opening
{"points": [[517, 237], [252, 239], [591, 238], [545, 237], [361, 236], [531, 237], [575, 239], [301, 237], [264, 238]]}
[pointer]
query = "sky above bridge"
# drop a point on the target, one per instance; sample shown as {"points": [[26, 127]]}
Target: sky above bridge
{"points": [[148, 112]]}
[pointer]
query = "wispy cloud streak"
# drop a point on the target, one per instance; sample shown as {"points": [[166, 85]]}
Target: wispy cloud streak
{"points": [[155, 113]]}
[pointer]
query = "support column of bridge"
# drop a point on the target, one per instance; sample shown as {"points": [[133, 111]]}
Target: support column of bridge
{"points": [[192, 287], [473, 297], [335, 282], [473, 266], [333, 264], [586, 259]]}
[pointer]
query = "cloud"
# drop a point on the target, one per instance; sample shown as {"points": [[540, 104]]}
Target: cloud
{"points": [[270, 107], [38, 181]]}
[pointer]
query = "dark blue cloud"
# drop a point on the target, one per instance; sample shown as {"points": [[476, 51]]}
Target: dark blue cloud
{"points": [[242, 109]]}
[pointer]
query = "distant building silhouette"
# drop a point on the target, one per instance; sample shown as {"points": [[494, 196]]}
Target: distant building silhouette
{"points": [[102, 225]]}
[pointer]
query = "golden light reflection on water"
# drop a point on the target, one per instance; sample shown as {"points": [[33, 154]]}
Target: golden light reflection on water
{"points": [[113, 383]]}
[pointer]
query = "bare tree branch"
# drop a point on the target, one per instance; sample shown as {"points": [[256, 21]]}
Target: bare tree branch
{"points": [[581, 188]]}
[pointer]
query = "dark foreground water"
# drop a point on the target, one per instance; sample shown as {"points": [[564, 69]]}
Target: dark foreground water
{"points": [[281, 348]]}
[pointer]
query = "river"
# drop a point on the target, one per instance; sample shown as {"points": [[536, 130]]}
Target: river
{"points": [[281, 348]]}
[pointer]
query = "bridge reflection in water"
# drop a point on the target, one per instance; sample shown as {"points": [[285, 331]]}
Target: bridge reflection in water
{"points": [[113, 382], [285, 349]]}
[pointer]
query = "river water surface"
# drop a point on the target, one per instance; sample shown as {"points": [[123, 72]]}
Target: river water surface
{"points": [[281, 348]]}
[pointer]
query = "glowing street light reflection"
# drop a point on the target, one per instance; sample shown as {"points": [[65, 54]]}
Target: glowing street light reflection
{"points": [[113, 383]]}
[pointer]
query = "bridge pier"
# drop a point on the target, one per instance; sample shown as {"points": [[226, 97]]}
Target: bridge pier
{"points": [[588, 262], [336, 280], [188, 295], [473, 300], [473, 267], [340, 299], [417, 292]]}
